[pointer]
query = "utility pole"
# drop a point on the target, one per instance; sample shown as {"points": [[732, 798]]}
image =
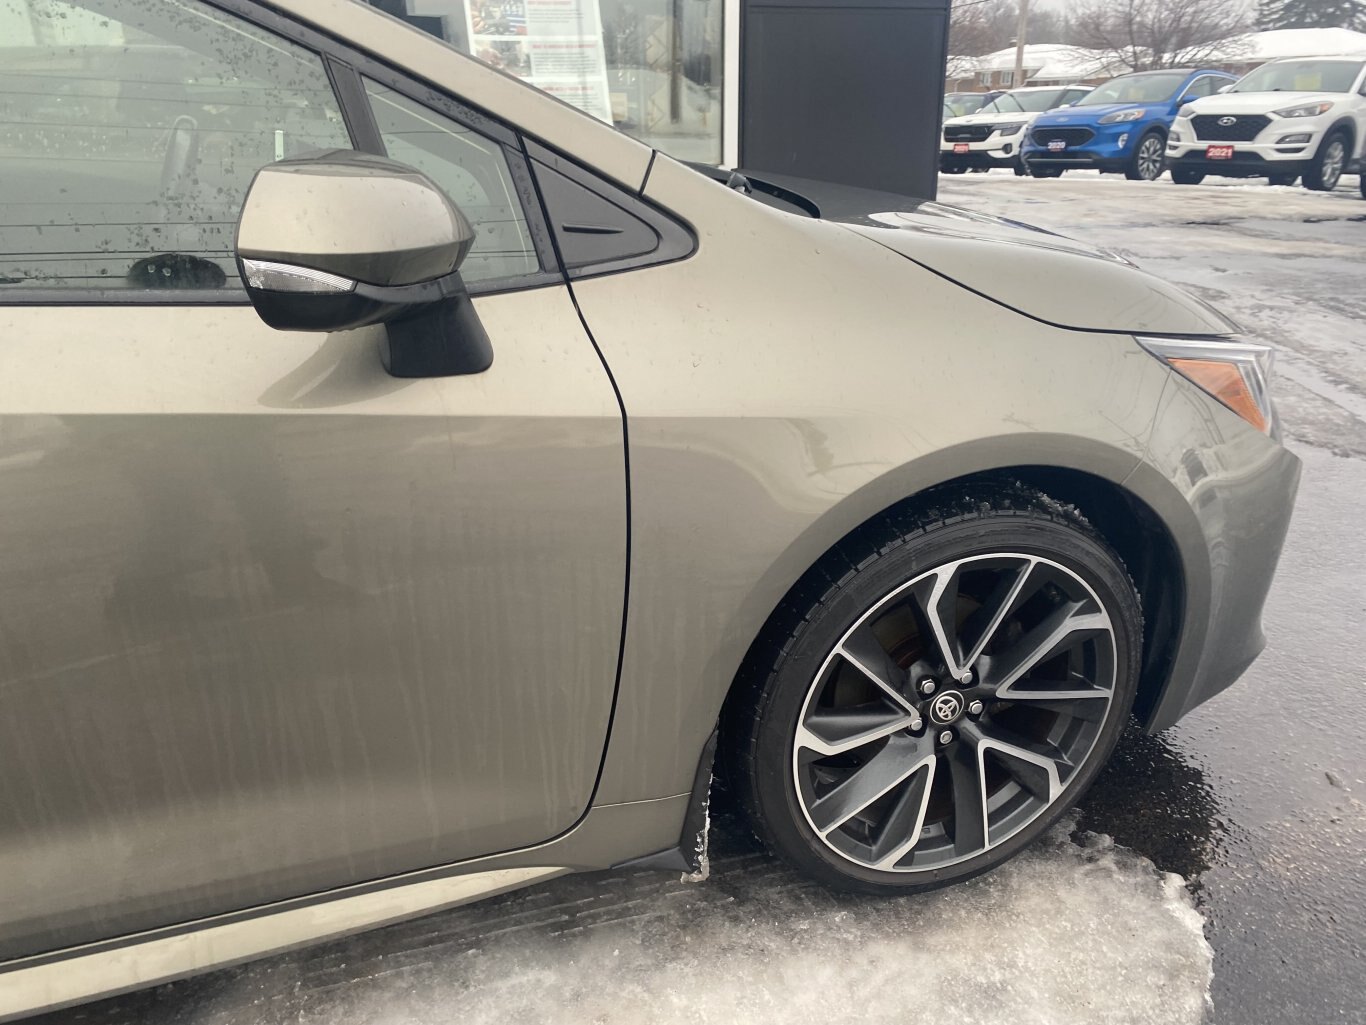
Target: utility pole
{"points": [[1021, 30]]}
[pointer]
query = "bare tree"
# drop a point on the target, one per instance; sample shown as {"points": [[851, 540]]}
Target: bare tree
{"points": [[1145, 34], [981, 26]]}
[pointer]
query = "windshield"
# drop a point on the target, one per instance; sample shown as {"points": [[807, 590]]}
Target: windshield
{"points": [[963, 103], [1023, 103], [1154, 88], [1301, 77]]}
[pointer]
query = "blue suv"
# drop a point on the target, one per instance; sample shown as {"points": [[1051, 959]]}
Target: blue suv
{"points": [[1119, 126]]}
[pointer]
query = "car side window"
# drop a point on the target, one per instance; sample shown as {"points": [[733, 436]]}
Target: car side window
{"points": [[130, 131], [472, 170], [1205, 85]]}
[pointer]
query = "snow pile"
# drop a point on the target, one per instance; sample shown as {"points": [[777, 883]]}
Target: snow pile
{"points": [[1064, 933]]}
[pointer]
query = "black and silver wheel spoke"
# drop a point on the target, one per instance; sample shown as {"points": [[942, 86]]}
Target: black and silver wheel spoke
{"points": [[898, 760], [968, 828], [861, 649], [1038, 766], [959, 646], [954, 711], [826, 733], [901, 830], [1069, 625]]}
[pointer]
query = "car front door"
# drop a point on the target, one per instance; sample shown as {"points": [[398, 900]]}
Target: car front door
{"points": [[272, 620]]}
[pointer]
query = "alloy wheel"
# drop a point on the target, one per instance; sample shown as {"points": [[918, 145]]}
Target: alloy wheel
{"points": [[1334, 157], [954, 712], [1150, 158]]}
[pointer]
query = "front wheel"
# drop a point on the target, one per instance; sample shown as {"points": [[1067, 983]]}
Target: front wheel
{"points": [[946, 700], [1146, 163], [1325, 169], [1187, 176]]}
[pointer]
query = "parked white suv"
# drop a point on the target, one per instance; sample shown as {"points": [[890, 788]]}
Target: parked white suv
{"points": [[1298, 117], [994, 135]]}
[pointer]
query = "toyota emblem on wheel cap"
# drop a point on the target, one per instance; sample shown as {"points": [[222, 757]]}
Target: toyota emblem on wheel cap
{"points": [[946, 708], [1226, 121]]}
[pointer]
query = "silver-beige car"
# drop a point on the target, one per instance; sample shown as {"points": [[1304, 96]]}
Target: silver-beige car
{"points": [[413, 489]]}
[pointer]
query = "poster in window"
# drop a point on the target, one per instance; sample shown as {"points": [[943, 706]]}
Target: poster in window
{"points": [[556, 45]]}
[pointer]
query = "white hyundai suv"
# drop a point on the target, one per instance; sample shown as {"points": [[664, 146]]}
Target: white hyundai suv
{"points": [[1297, 117], [992, 137]]}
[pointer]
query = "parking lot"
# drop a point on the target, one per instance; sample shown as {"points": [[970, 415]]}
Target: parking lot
{"points": [[1215, 872]]}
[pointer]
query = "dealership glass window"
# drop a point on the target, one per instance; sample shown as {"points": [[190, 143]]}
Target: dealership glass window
{"points": [[651, 67]]}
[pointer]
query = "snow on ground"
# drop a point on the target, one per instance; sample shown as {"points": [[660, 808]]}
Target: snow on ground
{"points": [[1065, 933]]}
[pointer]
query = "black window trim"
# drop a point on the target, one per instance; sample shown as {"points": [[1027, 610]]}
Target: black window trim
{"points": [[344, 67], [677, 240]]}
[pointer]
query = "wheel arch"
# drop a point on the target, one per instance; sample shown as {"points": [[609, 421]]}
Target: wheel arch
{"points": [[1347, 126], [1130, 525]]}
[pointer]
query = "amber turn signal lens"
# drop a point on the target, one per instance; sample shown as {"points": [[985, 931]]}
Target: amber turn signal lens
{"points": [[1225, 381]]}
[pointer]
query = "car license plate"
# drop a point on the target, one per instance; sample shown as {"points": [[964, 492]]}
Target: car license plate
{"points": [[960, 147], [1056, 146], [1218, 152]]}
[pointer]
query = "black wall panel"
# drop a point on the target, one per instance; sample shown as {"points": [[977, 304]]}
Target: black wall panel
{"points": [[844, 92]]}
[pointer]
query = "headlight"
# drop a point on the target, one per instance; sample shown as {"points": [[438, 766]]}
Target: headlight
{"points": [[1124, 117], [1238, 374], [1308, 110], [1009, 129], [1186, 111]]}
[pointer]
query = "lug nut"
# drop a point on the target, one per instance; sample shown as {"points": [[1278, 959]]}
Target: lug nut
{"points": [[917, 723], [975, 708], [966, 678], [946, 737], [927, 686]]}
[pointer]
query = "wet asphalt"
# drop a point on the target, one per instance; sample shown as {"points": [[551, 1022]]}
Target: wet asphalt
{"points": [[1255, 799]]}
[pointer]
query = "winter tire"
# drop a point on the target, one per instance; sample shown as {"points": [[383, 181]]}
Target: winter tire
{"points": [[945, 699], [1326, 168]]}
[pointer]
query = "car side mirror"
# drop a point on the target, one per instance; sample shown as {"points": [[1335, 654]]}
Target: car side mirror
{"points": [[1225, 88], [335, 239]]}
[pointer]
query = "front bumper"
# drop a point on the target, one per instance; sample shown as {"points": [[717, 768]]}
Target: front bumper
{"points": [[1109, 148], [1229, 513], [1263, 155], [1250, 166], [994, 152]]}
